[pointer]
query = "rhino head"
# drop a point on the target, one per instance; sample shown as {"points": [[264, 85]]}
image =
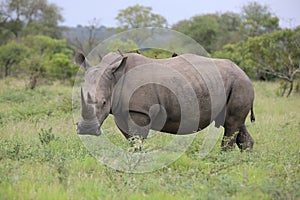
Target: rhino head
{"points": [[96, 93]]}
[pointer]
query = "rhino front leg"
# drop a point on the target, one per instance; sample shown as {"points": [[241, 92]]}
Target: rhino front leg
{"points": [[133, 124], [139, 124]]}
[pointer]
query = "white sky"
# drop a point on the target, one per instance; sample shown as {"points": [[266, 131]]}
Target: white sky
{"points": [[81, 12]]}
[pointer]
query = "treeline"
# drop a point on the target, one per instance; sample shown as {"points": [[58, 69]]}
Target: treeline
{"points": [[35, 57], [33, 44], [269, 56], [253, 40]]}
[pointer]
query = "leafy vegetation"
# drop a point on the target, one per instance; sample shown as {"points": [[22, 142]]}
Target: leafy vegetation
{"points": [[37, 56], [257, 19], [43, 158], [139, 17], [267, 56], [11, 55], [27, 17], [31, 43], [213, 31]]}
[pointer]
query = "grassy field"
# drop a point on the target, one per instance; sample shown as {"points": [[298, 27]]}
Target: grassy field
{"points": [[41, 157]]}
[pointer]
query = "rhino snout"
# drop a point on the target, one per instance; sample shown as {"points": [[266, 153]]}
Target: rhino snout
{"points": [[82, 129]]}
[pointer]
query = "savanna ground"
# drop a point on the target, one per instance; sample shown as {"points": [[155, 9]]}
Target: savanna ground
{"points": [[41, 157]]}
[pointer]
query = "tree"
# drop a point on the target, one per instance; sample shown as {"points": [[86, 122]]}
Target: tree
{"points": [[60, 66], [86, 38], [139, 17], [229, 29], [34, 17], [11, 55], [202, 28], [276, 54], [48, 58], [257, 19], [213, 31], [36, 57], [123, 46]]}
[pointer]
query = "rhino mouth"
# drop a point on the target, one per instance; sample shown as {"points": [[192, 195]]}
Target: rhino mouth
{"points": [[84, 129]]}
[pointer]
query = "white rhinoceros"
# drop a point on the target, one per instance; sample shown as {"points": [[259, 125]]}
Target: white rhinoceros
{"points": [[179, 95]]}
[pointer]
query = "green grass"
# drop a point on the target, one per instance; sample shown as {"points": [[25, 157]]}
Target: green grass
{"points": [[41, 157]]}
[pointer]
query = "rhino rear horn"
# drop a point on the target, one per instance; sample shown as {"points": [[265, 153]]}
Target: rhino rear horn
{"points": [[87, 111], [90, 99]]}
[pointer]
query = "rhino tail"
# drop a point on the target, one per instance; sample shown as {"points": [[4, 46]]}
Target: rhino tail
{"points": [[252, 116]]}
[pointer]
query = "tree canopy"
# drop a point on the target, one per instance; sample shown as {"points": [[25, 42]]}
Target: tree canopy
{"points": [[139, 17], [213, 31], [257, 19], [11, 55], [203, 28], [275, 54], [37, 56], [24, 17]]}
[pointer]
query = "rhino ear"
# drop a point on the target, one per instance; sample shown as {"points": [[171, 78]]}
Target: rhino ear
{"points": [[118, 67], [81, 61]]}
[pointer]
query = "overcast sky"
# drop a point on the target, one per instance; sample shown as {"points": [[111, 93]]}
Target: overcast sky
{"points": [[81, 12]]}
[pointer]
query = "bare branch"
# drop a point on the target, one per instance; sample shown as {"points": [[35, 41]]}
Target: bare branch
{"points": [[279, 75], [295, 72]]}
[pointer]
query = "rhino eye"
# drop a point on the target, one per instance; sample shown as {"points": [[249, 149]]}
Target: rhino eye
{"points": [[103, 102]]}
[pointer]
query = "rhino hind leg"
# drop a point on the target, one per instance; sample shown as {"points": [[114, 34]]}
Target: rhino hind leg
{"points": [[229, 138], [236, 132], [239, 136], [234, 124], [244, 139], [238, 106]]}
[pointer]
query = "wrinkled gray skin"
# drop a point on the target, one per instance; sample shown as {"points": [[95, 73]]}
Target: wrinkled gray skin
{"points": [[102, 95]]}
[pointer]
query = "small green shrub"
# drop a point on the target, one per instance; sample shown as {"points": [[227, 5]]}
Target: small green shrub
{"points": [[46, 136]]}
